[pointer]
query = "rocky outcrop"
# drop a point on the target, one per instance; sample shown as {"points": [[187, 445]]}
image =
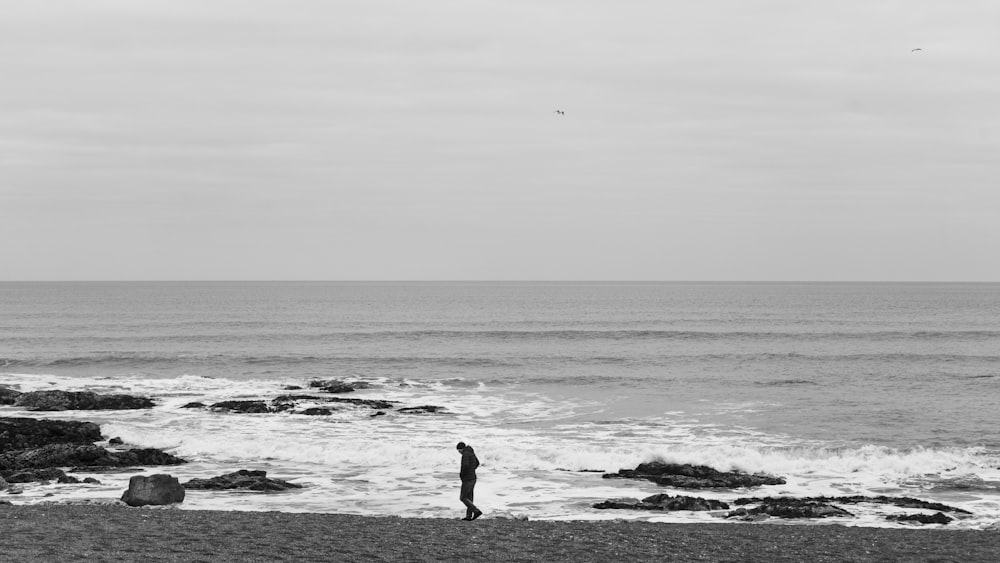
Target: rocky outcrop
{"points": [[370, 403], [316, 411], [79, 400], [32, 475], [790, 508], [21, 433], [902, 502], [664, 503], [157, 489], [936, 518], [193, 405], [70, 480], [243, 479], [247, 407], [337, 386], [8, 396], [685, 476], [65, 455]]}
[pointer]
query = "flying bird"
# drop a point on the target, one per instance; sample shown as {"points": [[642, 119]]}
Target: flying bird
{"points": [[915, 50], [560, 112]]}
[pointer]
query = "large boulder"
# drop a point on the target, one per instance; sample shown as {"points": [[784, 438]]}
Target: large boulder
{"points": [[243, 479], [686, 476], [159, 489], [64, 455], [79, 400], [21, 433]]}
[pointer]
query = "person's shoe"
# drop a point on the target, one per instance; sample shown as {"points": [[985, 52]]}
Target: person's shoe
{"points": [[477, 514]]}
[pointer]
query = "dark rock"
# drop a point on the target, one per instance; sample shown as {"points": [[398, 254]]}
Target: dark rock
{"points": [[106, 469], [32, 475], [68, 479], [370, 403], [425, 409], [243, 479], [115, 441], [936, 518], [157, 489], [79, 400], [193, 405], [665, 503], [902, 502], [792, 508], [91, 481], [686, 476], [379, 413], [332, 386], [317, 411], [8, 396], [293, 398], [251, 407], [64, 455], [21, 433], [291, 387]]}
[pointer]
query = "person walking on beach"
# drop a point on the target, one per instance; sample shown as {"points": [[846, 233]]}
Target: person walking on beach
{"points": [[468, 475]]}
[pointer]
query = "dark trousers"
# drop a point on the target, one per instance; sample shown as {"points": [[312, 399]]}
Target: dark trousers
{"points": [[468, 491]]}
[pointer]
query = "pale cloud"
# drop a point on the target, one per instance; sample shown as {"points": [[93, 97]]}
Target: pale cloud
{"points": [[393, 139]]}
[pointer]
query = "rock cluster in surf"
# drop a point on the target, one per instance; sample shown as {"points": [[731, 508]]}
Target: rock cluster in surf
{"points": [[686, 476]]}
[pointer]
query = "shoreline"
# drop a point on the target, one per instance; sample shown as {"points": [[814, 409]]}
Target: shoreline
{"points": [[59, 532]]}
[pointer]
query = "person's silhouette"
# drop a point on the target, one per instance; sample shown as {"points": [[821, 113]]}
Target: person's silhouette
{"points": [[468, 475]]}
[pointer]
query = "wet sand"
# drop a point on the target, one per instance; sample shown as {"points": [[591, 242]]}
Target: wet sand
{"points": [[118, 533]]}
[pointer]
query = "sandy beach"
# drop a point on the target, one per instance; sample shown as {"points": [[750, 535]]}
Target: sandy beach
{"points": [[117, 533]]}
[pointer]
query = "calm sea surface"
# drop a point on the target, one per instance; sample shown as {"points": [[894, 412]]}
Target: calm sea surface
{"points": [[841, 387]]}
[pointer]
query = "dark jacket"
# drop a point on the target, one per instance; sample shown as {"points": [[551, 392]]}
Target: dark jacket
{"points": [[469, 464]]}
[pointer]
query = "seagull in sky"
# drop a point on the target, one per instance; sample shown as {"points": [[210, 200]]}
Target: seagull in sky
{"points": [[915, 50], [560, 112]]}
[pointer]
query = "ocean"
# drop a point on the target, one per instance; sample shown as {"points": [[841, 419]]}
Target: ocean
{"points": [[841, 388]]}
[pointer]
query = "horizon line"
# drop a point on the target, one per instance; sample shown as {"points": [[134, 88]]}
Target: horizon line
{"points": [[511, 281]]}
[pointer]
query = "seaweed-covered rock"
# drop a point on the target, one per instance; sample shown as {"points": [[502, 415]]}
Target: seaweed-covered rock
{"points": [[247, 407], [157, 489], [56, 400], [665, 503], [8, 396], [686, 476], [243, 479], [936, 518], [193, 405], [65, 455], [21, 433]]}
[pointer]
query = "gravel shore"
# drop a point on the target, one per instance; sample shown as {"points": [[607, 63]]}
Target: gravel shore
{"points": [[118, 533]]}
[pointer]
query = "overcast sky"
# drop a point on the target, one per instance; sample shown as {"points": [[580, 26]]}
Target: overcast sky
{"points": [[402, 139]]}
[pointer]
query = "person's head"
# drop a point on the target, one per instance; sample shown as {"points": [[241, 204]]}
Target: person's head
{"points": [[460, 446]]}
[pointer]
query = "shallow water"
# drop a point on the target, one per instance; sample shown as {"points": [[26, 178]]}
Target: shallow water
{"points": [[843, 389]]}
